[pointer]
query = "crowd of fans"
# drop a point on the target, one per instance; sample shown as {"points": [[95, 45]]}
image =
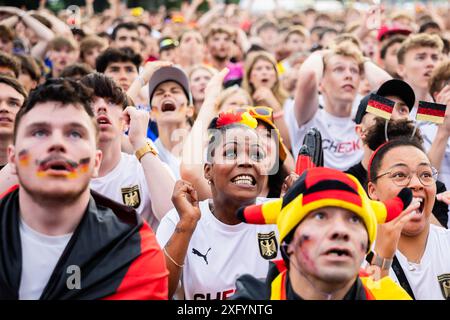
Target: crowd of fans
{"points": [[131, 140]]}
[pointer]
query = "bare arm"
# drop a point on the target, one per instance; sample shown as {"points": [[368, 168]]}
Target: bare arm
{"points": [[45, 34], [58, 26], [306, 94], [375, 75], [192, 163], [190, 12], [115, 8], [186, 203], [160, 182], [10, 22], [208, 16], [89, 9], [150, 67]]}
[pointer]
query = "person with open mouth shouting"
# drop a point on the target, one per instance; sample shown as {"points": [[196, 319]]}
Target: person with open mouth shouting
{"points": [[171, 108], [418, 251], [205, 244]]}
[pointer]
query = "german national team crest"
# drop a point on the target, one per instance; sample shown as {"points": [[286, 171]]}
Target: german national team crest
{"points": [[131, 196], [268, 246], [444, 282]]}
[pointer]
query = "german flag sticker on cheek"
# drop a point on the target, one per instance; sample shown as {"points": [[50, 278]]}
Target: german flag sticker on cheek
{"points": [[380, 106], [429, 111]]}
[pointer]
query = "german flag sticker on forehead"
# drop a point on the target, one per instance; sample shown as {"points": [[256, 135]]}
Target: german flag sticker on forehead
{"points": [[380, 106], [429, 111]]}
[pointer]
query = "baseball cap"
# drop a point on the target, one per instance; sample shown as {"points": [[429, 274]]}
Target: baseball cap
{"points": [[167, 43], [165, 74], [393, 87], [387, 31]]}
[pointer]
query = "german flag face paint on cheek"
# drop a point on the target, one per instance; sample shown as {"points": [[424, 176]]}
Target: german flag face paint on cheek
{"points": [[24, 158], [80, 168], [84, 165]]}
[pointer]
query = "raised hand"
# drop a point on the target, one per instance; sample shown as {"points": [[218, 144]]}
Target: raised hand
{"points": [[444, 197], [288, 182], [264, 96], [137, 121], [215, 84], [185, 200], [151, 67], [388, 234], [443, 97]]}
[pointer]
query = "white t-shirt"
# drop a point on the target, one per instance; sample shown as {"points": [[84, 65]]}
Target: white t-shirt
{"points": [[429, 279], [355, 103], [126, 184], [341, 145], [429, 130], [219, 253], [40, 254], [168, 158]]}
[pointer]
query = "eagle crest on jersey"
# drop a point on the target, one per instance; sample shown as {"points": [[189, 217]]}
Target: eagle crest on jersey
{"points": [[131, 196], [268, 247], [444, 282]]}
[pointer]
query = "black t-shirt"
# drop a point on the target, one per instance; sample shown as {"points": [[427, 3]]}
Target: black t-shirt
{"points": [[359, 173], [440, 209]]}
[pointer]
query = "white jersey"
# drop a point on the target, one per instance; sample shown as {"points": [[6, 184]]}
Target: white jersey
{"points": [[219, 253], [341, 145], [40, 254], [355, 103], [168, 158], [429, 280], [126, 184]]}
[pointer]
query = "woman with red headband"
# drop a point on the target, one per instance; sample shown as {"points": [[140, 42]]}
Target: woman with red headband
{"points": [[204, 240]]}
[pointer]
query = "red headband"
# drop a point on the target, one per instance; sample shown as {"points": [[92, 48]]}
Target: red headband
{"points": [[371, 159]]}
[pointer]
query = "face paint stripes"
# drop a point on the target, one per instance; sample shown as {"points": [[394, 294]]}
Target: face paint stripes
{"points": [[73, 167], [24, 158]]}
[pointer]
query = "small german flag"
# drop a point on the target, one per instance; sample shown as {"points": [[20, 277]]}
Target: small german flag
{"points": [[429, 111], [380, 106]]}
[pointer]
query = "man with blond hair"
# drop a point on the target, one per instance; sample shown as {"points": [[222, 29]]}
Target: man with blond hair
{"points": [[417, 57], [337, 73]]}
